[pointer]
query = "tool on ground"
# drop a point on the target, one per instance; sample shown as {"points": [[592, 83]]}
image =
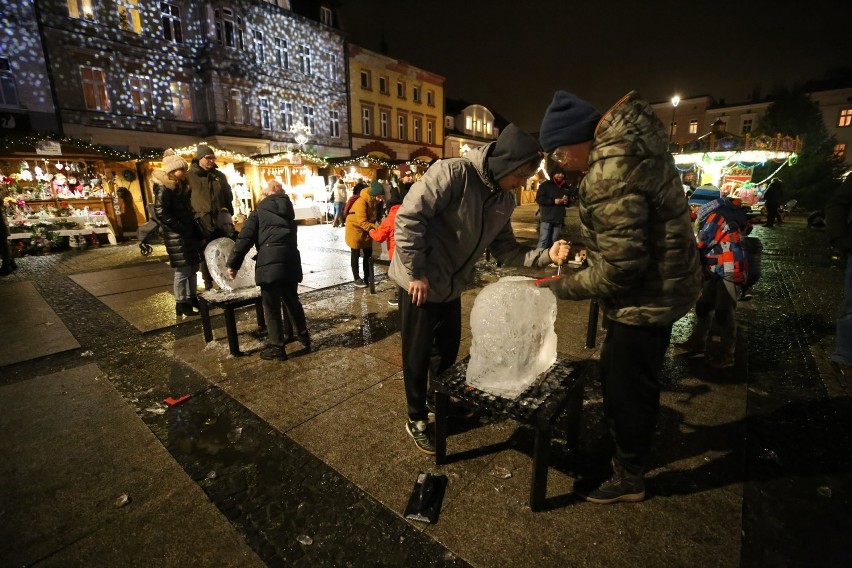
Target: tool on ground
{"points": [[424, 505]]}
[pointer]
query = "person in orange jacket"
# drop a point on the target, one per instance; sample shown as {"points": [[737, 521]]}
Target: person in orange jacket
{"points": [[384, 232]]}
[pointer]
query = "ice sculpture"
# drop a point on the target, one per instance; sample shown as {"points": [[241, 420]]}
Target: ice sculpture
{"points": [[216, 254], [513, 338]]}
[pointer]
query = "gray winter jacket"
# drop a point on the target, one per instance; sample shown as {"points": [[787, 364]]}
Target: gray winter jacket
{"points": [[446, 222]]}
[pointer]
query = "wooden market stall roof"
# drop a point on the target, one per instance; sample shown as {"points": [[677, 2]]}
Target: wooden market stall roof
{"points": [[44, 144]]}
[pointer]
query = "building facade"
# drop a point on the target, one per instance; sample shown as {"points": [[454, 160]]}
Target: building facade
{"points": [[468, 126], [242, 75], [397, 109], [695, 116]]}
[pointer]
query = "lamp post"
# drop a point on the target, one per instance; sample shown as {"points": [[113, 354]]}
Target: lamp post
{"points": [[675, 101]]}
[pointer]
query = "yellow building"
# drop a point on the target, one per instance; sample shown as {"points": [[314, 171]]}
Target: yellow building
{"points": [[397, 109]]}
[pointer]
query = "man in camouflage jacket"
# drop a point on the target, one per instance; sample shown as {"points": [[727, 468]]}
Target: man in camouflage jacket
{"points": [[643, 261]]}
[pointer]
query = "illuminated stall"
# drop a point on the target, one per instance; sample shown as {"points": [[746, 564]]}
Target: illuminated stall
{"points": [[60, 192], [299, 173], [727, 161]]}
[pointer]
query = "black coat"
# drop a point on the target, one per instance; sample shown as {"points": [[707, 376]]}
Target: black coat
{"points": [[272, 229], [174, 213], [548, 211]]}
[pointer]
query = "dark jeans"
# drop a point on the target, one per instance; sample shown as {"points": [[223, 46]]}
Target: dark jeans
{"points": [[631, 361], [431, 334], [355, 255], [283, 311], [772, 213]]}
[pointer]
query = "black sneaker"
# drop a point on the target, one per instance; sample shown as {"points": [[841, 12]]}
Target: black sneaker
{"points": [[423, 439], [622, 487], [273, 353], [359, 283], [393, 302]]}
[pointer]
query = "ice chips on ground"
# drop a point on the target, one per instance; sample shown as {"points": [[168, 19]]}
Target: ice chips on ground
{"points": [[216, 254], [513, 339]]}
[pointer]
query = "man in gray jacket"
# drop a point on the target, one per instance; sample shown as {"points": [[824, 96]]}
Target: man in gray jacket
{"points": [[459, 208]]}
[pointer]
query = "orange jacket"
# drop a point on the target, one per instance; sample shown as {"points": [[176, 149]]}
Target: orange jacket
{"points": [[384, 232]]}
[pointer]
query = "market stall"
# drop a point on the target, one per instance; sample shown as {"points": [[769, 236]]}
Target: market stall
{"points": [[59, 192], [299, 173]]}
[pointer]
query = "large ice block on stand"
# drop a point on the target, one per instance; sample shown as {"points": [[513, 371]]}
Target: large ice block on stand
{"points": [[216, 254]]}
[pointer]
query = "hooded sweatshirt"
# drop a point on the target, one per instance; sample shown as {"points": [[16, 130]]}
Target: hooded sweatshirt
{"points": [[272, 229], [448, 219], [643, 262]]}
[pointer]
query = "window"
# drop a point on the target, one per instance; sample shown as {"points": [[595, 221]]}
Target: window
{"points": [[128, 15], [747, 123], [366, 121], [365, 80], [286, 110], [417, 130], [334, 118], [235, 99], [94, 88], [81, 9], [489, 127], [172, 27], [282, 57], [693, 126], [383, 86], [400, 126], [468, 123], [229, 28], [332, 68], [265, 115], [181, 102], [384, 124], [478, 125], [430, 98], [400, 89], [415, 94], [308, 118], [305, 59], [8, 88], [325, 15], [141, 95], [845, 118], [840, 150], [259, 53], [430, 132]]}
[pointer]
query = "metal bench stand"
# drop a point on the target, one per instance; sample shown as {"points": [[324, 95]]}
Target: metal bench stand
{"points": [[558, 390], [228, 302]]}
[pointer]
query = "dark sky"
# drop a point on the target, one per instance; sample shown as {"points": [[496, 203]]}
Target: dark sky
{"points": [[512, 55]]}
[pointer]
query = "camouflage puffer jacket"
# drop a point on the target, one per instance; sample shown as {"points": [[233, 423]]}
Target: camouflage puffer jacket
{"points": [[643, 259]]}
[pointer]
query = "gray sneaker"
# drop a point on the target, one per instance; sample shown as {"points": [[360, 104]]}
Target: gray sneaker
{"points": [[622, 487], [359, 283], [423, 439]]}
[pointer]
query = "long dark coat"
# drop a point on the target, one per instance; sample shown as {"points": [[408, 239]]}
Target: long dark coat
{"points": [[272, 229], [174, 213]]}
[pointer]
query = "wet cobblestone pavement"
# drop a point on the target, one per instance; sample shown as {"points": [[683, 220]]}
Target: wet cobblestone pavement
{"points": [[294, 510]]}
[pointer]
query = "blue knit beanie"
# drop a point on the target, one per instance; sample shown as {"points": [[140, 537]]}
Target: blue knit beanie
{"points": [[376, 188], [568, 120]]}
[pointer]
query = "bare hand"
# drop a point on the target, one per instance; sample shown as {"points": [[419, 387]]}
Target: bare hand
{"points": [[559, 251], [231, 273], [419, 290]]}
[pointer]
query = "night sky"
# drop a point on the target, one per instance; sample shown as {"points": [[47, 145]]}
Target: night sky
{"points": [[512, 55]]}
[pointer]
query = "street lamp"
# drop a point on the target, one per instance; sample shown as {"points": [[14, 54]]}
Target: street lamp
{"points": [[675, 102]]}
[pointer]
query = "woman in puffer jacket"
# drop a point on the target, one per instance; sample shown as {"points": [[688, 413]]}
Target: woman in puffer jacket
{"points": [[278, 269], [180, 233]]}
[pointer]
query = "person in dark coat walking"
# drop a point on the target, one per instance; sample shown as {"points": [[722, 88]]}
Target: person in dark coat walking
{"points": [[172, 206], [772, 200], [552, 198], [278, 270]]}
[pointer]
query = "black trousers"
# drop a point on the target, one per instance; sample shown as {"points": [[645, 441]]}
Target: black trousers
{"points": [[283, 310], [631, 361], [355, 255], [431, 334]]}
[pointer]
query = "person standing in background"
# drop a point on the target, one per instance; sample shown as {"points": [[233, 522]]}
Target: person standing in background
{"points": [[360, 220], [552, 198], [211, 193], [837, 214]]}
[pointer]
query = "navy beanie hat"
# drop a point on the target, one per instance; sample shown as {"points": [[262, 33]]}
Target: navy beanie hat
{"points": [[568, 120], [513, 149], [376, 188]]}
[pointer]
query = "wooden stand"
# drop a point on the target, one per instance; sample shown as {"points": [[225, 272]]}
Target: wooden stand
{"points": [[229, 302]]}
